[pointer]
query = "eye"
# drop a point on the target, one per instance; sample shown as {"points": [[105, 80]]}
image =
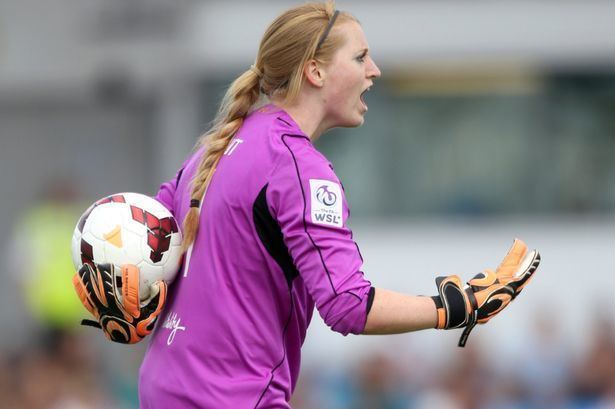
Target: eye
{"points": [[361, 58]]}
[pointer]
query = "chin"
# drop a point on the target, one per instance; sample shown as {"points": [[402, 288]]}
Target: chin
{"points": [[350, 119], [358, 121], [354, 121]]}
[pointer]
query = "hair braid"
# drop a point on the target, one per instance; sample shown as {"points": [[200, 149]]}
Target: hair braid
{"points": [[240, 97], [289, 42]]}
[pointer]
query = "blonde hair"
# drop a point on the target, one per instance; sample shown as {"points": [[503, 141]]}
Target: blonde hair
{"points": [[289, 42]]}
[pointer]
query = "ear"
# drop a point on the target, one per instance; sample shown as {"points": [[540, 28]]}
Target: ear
{"points": [[314, 73]]}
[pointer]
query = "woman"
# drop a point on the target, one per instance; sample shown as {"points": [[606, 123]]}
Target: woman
{"points": [[266, 236]]}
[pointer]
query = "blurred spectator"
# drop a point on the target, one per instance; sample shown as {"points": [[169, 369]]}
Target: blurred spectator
{"points": [[52, 365], [58, 374], [594, 384], [378, 384], [40, 257], [544, 368], [466, 378], [545, 376], [7, 384]]}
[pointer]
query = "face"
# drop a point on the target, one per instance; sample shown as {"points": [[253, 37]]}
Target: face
{"points": [[349, 75]]}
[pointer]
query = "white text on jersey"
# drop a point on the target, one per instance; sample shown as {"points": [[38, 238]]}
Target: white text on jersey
{"points": [[172, 322], [232, 145]]}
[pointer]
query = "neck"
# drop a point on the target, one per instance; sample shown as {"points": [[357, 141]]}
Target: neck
{"points": [[307, 114]]}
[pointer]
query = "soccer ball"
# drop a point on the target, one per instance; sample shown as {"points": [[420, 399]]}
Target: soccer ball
{"points": [[129, 228]]}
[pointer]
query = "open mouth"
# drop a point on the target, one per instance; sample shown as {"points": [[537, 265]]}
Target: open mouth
{"points": [[363, 96]]}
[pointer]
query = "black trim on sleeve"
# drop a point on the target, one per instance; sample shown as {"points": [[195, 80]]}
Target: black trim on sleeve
{"points": [[292, 127], [179, 175], [322, 260], [290, 314], [370, 298], [271, 236], [285, 121]]}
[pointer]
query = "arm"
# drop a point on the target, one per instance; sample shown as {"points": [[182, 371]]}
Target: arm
{"points": [[166, 192], [396, 313], [307, 201], [455, 306]]}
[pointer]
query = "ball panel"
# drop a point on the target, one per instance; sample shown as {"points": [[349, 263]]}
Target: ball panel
{"points": [[75, 249], [129, 228]]}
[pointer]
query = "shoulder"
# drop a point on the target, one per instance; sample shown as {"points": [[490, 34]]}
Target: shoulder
{"points": [[192, 162], [300, 163], [300, 153], [273, 122], [289, 145]]}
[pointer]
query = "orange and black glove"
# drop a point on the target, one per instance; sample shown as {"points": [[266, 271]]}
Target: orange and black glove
{"points": [[486, 294], [122, 319]]}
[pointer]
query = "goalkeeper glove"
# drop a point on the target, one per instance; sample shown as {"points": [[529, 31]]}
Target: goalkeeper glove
{"points": [[486, 294], [122, 319]]}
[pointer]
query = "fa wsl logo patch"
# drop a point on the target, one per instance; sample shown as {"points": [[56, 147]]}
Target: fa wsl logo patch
{"points": [[326, 202]]}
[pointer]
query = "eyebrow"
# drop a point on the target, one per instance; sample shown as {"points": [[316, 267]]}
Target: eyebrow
{"points": [[364, 51]]}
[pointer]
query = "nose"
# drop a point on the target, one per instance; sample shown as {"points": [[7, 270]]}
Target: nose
{"points": [[372, 70]]}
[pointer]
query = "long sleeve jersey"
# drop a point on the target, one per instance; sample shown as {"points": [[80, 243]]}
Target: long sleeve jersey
{"points": [[272, 243]]}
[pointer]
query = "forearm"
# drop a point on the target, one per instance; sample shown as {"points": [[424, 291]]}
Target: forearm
{"points": [[395, 313]]}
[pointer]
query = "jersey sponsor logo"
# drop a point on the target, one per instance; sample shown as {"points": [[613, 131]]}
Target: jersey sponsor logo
{"points": [[326, 203], [172, 322]]}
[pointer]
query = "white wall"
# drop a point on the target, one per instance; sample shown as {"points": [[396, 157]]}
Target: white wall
{"points": [[69, 42], [417, 32]]}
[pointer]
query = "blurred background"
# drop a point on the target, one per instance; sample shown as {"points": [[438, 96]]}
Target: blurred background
{"points": [[492, 120]]}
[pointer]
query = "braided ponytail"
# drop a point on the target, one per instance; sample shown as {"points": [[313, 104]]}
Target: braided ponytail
{"points": [[292, 39], [242, 94]]}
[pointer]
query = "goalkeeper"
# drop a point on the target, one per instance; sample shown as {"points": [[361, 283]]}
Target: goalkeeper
{"points": [[265, 224]]}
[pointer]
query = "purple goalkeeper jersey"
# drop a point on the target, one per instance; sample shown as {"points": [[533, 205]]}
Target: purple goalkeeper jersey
{"points": [[273, 242]]}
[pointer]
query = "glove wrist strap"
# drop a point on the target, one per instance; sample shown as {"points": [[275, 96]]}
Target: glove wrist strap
{"points": [[453, 305], [441, 318], [90, 323]]}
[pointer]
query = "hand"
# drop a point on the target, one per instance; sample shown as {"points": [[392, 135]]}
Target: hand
{"points": [[487, 293], [121, 319]]}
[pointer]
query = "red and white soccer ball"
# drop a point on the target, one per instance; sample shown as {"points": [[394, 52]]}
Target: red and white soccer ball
{"points": [[130, 228]]}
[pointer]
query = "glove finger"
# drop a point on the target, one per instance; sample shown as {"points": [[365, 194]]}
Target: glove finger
{"points": [[526, 271], [153, 309], [160, 289], [483, 280], [107, 277], [82, 293], [152, 292], [511, 261], [118, 330], [93, 282], [163, 289], [492, 301], [130, 289]]}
